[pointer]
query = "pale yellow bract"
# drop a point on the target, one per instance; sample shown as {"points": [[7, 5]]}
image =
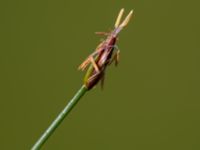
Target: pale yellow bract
{"points": [[126, 20]]}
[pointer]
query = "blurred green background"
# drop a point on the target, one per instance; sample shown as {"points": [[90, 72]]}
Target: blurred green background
{"points": [[150, 101]]}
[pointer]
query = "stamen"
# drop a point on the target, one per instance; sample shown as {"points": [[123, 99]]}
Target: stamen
{"points": [[126, 20], [119, 17]]}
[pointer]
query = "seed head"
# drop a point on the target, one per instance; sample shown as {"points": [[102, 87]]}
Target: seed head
{"points": [[105, 53]]}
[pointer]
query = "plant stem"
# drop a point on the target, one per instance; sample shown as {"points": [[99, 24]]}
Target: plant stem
{"points": [[59, 118]]}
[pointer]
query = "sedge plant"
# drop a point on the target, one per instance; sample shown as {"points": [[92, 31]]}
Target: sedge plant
{"points": [[96, 63]]}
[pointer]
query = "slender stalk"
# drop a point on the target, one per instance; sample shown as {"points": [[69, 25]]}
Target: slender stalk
{"points": [[59, 118]]}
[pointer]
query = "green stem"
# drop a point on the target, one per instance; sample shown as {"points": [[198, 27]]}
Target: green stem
{"points": [[59, 118]]}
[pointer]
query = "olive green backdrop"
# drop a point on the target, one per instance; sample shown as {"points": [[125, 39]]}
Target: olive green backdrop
{"points": [[151, 101]]}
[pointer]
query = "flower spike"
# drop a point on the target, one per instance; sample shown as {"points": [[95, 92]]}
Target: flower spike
{"points": [[105, 53]]}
